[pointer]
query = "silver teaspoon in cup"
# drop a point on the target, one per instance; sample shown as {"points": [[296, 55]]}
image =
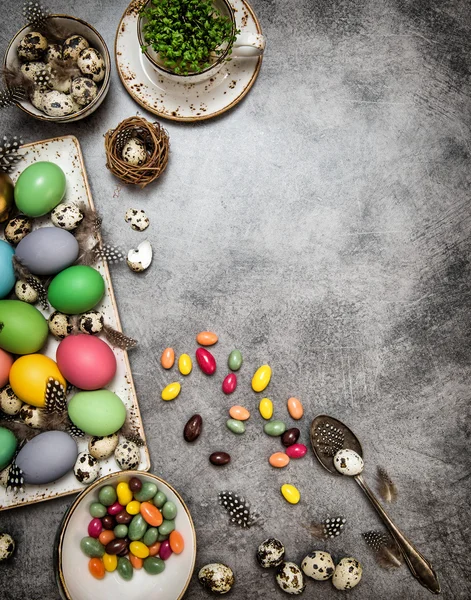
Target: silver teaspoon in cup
{"points": [[328, 436]]}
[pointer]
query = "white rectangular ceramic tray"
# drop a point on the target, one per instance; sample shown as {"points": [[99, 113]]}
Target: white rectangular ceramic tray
{"points": [[65, 152]]}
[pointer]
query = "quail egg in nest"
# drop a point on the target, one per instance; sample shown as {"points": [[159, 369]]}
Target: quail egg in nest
{"points": [[134, 152], [58, 104], [32, 46], [83, 90], [72, 47], [91, 63]]}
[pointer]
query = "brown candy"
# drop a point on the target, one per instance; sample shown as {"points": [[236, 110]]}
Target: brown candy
{"points": [[116, 546], [125, 550], [135, 484], [193, 428], [123, 518], [219, 458], [290, 437], [108, 522]]}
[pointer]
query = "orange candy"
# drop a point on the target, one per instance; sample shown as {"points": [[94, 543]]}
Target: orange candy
{"points": [[154, 548], [96, 568], [176, 542], [279, 460], [168, 358], [295, 408], [239, 412], [135, 561], [151, 514], [106, 536], [206, 338]]}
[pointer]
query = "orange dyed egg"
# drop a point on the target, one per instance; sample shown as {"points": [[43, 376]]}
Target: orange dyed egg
{"points": [[151, 514], [135, 561], [239, 412], [96, 568], [279, 460], [295, 408], [168, 358], [107, 535], [176, 542], [206, 338], [154, 549]]}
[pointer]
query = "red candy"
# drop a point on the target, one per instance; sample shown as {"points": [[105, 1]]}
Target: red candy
{"points": [[95, 527], [206, 361], [296, 450], [115, 508], [165, 550], [230, 383]]}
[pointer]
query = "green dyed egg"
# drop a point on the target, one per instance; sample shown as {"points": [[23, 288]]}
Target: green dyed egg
{"points": [[160, 499], [169, 511], [23, 329], [137, 528], [274, 428], [107, 495], [235, 426], [235, 360], [125, 568], [121, 530], [98, 510], [92, 547], [39, 188], [153, 565], [167, 527], [76, 290], [8, 444], [97, 413], [150, 536], [147, 491]]}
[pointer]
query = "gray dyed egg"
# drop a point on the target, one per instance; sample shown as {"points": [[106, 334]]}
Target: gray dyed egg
{"points": [[103, 447], [216, 578], [347, 574], [32, 46], [83, 90], [18, 228], [127, 455], [290, 578], [58, 104], [47, 457], [86, 468], [270, 553], [72, 47], [91, 63], [66, 216], [47, 250], [318, 565], [7, 546]]}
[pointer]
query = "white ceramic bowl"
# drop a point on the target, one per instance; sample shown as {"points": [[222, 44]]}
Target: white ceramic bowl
{"points": [[71, 565], [71, 25]]}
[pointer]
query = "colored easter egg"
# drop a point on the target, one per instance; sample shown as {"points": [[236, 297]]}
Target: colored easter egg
{"points": [[76, 289], [206, 361], [23, 329], [206, 338], [261, 378], [29, 377], [295, 408], [8, 444], [39, 188], [6, 361], [47, 457], [47, 250], [7, 274], [100, 412]]}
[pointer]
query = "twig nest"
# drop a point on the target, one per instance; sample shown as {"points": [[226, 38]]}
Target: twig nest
{"points": [[137, 151]]}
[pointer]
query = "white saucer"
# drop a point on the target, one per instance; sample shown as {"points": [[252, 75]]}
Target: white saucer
{"points": [[184, 102]]}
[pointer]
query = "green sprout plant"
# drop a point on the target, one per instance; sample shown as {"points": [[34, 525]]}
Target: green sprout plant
{"points": [[188, 35]]}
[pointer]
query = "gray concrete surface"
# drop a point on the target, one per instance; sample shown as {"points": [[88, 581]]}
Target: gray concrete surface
{"points": [[321, 226]]}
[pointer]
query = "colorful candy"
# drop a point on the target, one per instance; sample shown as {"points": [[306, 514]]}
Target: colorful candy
{"points": [[229, 384], [135, 561], [106, 536], [169, 511], [296, 451], [137, 527], [151, 515], [261, 378], [184, 364], [206, 361], [96, 568], [295, 408], [176, 541], [265, 408], [290, 493], [235, 426], [239, 412], [165, 550], [115, 508], [274, 428], [154, 565], [290, 436], [147, 492], [167, 359], [110, 562], [171, 391], [139, 549], [279, 460], [234, 362], [95, 527], [192, 429], [219, 459], [206, 338], [125, 568], [91, 547], [116, 546], [124, 493]]}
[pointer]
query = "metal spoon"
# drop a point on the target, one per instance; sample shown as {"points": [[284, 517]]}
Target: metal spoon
{"points": [[328, 436]]}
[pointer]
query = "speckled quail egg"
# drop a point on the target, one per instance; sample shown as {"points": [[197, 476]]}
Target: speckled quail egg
{"points": [[318, 565], [53, 52], [36, 96], [103, 447], [86, 468], [60, 325], [25, 292], [58, 104], [91, 63], [9, 403], [32, 416], [31, 69], [347, 574], [66, 216], [18, 228], [134, 152], [91, 322], [83, 90], [290, 578], [137, 218], [32, 46], [7, 546], [348, 462], [127, 455], [72, 47], [216, 577], [139, 259], [61, 84], [270, 553], [4, 476]]}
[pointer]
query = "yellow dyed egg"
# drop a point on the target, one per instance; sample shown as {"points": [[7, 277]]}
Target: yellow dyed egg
{"points": [[266, 408], [261, 378], [290, 493], [110, 562], [124, 493], [184, 364], [171, 391], [29, 376]]}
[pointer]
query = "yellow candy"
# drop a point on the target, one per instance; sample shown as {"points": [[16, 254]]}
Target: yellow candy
{"points": [[171, 391], [133, 508], [124, 493], [266, 408], [110, 562], [139, 549], [290, 493], [261, 378], [184, 364]]}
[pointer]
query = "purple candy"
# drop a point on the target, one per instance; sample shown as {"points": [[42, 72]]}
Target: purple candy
{"points": [[95, 527], [115, 508], [165, 551]]}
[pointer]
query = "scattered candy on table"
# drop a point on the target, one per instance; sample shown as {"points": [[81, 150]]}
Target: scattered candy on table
{"points": [[261, 378]]}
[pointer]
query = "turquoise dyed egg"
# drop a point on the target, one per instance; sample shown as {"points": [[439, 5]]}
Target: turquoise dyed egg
{"points": [[7, 275]]}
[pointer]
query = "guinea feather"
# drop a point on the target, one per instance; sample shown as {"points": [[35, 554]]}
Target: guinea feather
{"points": [[118, 339], [386, 487], [329, 528], [385, 549]]}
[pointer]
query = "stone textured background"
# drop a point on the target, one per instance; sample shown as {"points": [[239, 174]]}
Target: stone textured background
{"points": [[321, 226]]}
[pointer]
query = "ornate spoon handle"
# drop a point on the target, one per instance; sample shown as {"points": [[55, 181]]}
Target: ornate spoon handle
{"points": [[419, 566]]}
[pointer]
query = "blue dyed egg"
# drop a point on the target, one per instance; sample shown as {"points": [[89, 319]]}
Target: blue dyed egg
{"points": [[7, 275]]}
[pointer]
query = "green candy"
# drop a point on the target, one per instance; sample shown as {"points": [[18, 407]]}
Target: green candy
{"points": [[153, 565], [274, 428], [235, 426], [169, 511], [160, 499], [125, 568], [162, 538], [147, 491], [98, 510], [235, 360], [107, 495], [92, 547], [150, 536], [121, 530], [8, 444], [167, 527], [137, 528]]}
